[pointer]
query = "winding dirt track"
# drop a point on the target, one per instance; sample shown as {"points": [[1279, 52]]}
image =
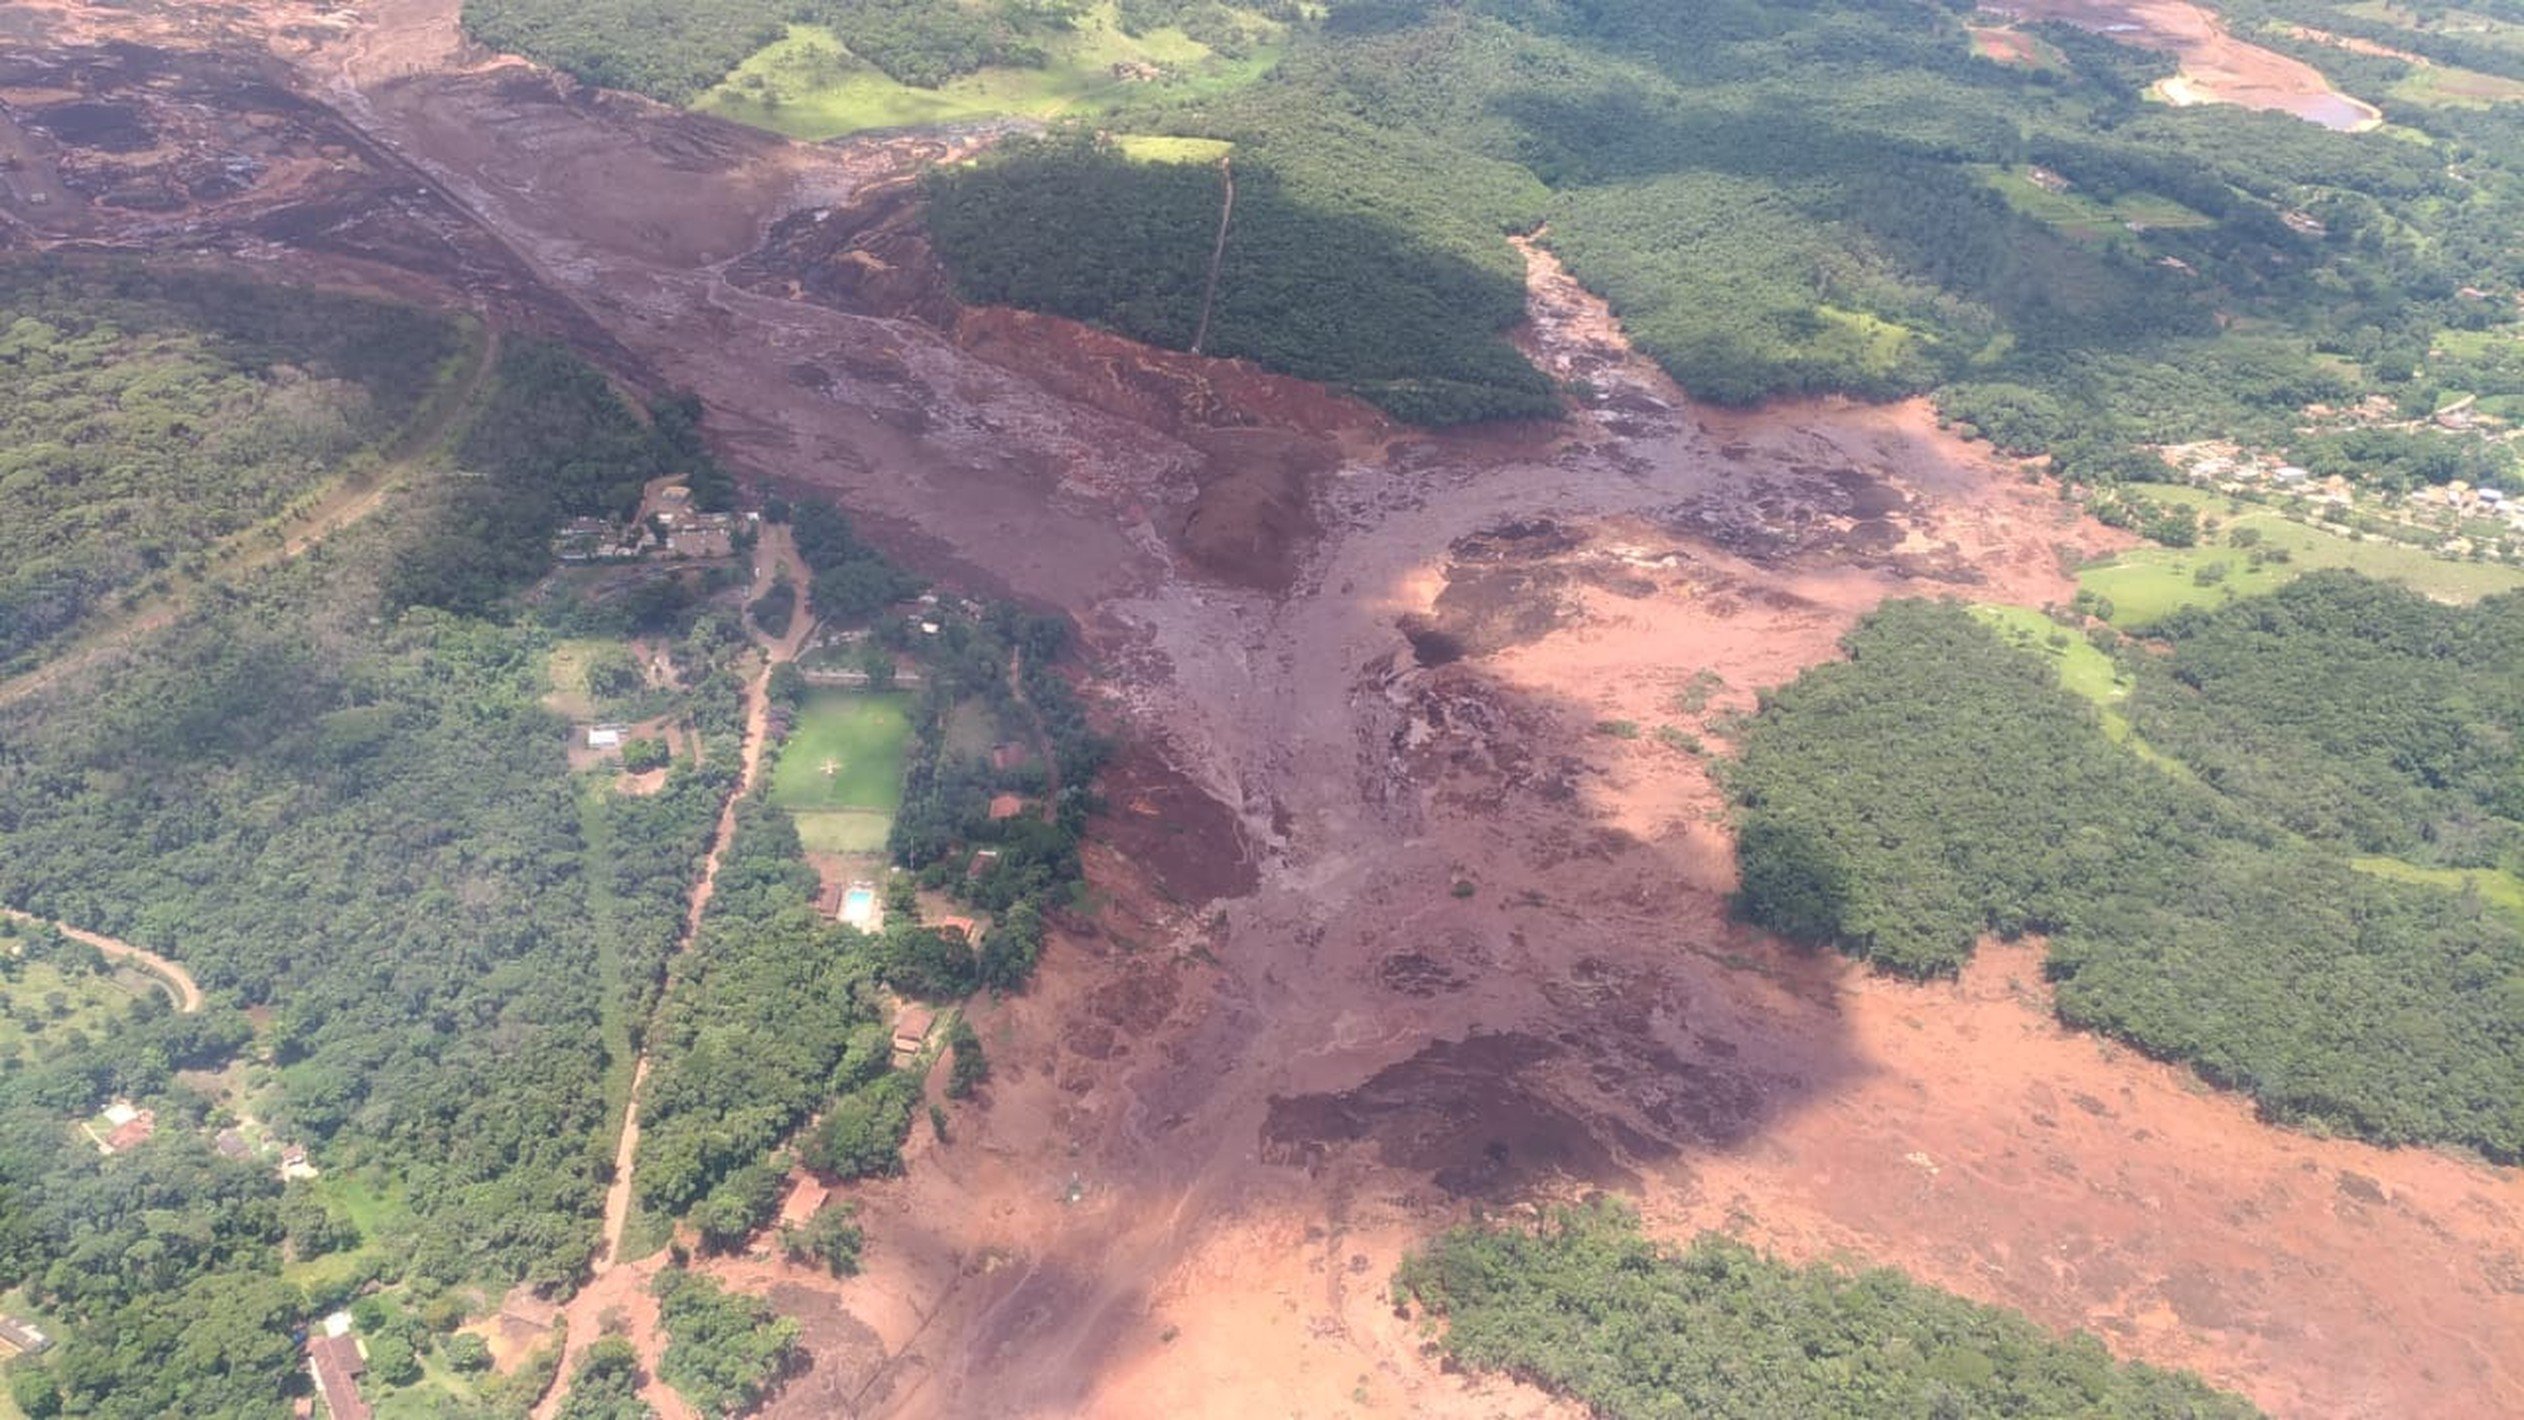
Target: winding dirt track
{"points": [[171, 976], [1384, 928], [621, 1284]]}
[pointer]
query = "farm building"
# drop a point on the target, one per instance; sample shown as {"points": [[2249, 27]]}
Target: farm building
{"points": [[604, 737], [23, 1337], [335, 1361], [912, 1022], [129, 1127]]}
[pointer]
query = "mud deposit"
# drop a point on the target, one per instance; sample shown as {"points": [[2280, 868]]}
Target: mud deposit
{"points": [[1409, 893], [2217, 67]]}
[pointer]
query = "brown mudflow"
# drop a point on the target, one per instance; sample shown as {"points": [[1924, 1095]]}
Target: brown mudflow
{"points": [[1356, 667]]}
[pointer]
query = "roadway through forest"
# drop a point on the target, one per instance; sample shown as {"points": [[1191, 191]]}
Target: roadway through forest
{"points": [[177, 982], [621, 1286], [350, 499]]}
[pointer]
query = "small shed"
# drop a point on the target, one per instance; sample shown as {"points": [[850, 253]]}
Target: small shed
{"points": [[912, 1023]]}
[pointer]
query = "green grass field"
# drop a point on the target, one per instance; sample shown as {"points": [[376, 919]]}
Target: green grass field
{"points": [[31, 1018], [2148, 583], [842, 830], [2498, 889], [845, 753], [380, 1211], [1157, 148], [2077, 215], [809, 85]]}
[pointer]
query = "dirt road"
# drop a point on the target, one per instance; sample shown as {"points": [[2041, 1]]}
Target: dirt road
{"points": [[181, 988], [621, 1285]]}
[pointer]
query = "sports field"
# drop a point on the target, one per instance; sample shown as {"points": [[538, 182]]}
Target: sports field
{"points": [[841, 771]]}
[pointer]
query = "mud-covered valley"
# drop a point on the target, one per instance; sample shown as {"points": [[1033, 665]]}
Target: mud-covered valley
{"points": [[1393, 921]]}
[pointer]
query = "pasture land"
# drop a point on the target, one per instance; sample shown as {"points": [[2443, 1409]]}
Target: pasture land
{"points": [[40, 1004], [1158, 148], [809, 85], [2149, 583], [2075, 214]]}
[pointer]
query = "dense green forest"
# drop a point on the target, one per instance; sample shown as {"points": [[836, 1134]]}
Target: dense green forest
{"points": [[353, 817], [1587, 1307], [2355, 713], [1940, 785], [1339, 297], [145, 416], [724, 1350], [1783, 198], [772, 1014]]}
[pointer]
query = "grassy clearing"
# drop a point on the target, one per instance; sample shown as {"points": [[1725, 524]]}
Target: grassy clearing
{"points": [[2074, 214], [845, 753], [2148, 583], [2498, 889], [41, 1004], [377, 1208], [1157, 148], [568, 669], [2448, 87], [809, 85], [2084, 671]]}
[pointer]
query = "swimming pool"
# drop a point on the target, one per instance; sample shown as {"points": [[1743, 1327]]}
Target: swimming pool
{"points": [[858, 906]]}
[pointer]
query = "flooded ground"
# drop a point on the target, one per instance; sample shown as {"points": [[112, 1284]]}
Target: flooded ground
{"points": [[1410, 895]]}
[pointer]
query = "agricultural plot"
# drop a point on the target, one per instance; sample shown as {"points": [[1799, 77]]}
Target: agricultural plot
{"points": [[2149, 583], [841, 771]]}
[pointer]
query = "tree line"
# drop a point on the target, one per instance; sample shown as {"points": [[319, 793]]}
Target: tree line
{"points": [[1939, 786]]}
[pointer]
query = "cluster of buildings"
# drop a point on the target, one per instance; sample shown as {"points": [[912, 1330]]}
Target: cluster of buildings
{"points": [[2218, 464], [666, 526]]}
